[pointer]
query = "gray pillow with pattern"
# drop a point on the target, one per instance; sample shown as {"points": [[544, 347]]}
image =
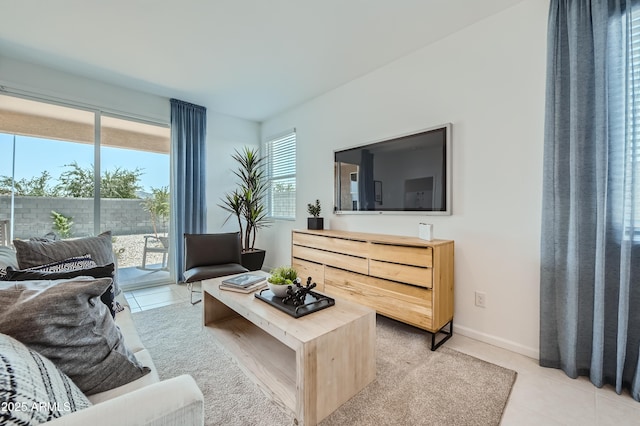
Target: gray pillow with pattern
{"points": [[65, 321], [32, 253]]}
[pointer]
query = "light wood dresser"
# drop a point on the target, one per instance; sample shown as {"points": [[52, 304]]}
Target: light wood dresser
{"points": [[404, 278]]}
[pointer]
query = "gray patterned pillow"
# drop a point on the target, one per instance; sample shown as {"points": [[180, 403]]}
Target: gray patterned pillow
{"points": [[65, 321], [41, 252], [108, 297], [32, 389]]}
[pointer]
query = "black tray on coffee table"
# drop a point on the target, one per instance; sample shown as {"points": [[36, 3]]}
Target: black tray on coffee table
{"points": [[312, 303]]}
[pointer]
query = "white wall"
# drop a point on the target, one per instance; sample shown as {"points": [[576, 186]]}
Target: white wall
{"points": [[224, 135], [488, 80], [62, 86]]}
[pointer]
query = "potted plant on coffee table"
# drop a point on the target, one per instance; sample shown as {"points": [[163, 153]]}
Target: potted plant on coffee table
{"points": [[315, 221], [246, 202], [281, 279]]}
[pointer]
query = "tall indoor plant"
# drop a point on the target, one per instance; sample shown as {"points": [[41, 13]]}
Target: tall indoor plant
{"points": [[246, 202]]}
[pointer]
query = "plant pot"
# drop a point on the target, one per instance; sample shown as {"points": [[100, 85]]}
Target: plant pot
{"points": [[253, 259], [315, 223], [278, 290]]}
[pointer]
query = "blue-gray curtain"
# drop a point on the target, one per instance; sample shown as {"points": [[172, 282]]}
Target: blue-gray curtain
{"points": [[189, 204], [590, 243]]}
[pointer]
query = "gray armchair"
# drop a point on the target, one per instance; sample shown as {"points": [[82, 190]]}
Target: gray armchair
{"points": [[210, 256]]}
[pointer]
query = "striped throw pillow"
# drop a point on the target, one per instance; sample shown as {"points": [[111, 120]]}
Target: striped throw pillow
{"points": [[32, 389]]}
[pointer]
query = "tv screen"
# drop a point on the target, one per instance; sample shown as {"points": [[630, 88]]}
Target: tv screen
{"points": [[408, 173]]}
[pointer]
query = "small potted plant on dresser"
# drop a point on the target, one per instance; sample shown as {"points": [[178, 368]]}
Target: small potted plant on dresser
{"points": [[315, 221]]}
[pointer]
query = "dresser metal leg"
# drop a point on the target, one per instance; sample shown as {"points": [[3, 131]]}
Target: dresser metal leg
{"points": [[447, 336]]}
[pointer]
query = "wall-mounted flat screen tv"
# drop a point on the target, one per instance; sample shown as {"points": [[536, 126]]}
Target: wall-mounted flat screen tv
{"points": [[408, 173]]}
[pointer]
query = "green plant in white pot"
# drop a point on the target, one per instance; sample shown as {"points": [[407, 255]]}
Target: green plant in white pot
{"points": [[246, 202], [281, 279]]}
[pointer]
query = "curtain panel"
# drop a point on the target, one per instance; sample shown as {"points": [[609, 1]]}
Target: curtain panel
{"points": [[189, 206], [590, 253]]}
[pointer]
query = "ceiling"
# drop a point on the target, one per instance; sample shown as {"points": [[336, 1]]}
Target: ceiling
{"points": [[250, 59]]}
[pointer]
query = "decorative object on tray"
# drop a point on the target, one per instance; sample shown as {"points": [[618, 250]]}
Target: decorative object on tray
{"points": [[245, 283], [297, 295], [299, 300], [281, 280], [315, 221]]}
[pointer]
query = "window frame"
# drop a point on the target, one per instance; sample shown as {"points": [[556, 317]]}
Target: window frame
{"points": [[288, 171], [629, 218]]}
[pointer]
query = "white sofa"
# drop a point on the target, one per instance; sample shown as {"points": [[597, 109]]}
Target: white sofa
{"points": [[146, 401]]}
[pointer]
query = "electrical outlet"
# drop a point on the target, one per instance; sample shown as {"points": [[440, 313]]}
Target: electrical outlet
{"points": [[481, 299]]}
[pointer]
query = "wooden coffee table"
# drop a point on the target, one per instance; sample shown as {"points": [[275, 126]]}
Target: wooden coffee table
{"points": [[309, 366]]}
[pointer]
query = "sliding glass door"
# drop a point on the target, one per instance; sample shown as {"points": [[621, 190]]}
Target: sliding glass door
{"points": [[134, 196], [67, 172], [39, 192]]}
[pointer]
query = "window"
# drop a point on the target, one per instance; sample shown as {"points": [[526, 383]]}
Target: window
{"points": [[624, 117], [281, 172], [632, 149]]}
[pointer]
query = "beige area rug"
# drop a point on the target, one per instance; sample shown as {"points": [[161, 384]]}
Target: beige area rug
{"points": [[414, 386]]}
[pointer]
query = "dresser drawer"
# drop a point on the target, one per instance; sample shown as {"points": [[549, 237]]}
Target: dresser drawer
{"points": [[416, 256], [422, 277], [409, 304], [343, 261], [307, 269], [338, 245]]}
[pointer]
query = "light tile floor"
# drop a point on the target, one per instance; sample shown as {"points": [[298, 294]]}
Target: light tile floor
{"points": [[540, 396], [155, 297]]}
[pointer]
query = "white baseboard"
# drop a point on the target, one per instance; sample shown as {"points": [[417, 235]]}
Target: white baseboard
{"points": [[497, 341]]}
